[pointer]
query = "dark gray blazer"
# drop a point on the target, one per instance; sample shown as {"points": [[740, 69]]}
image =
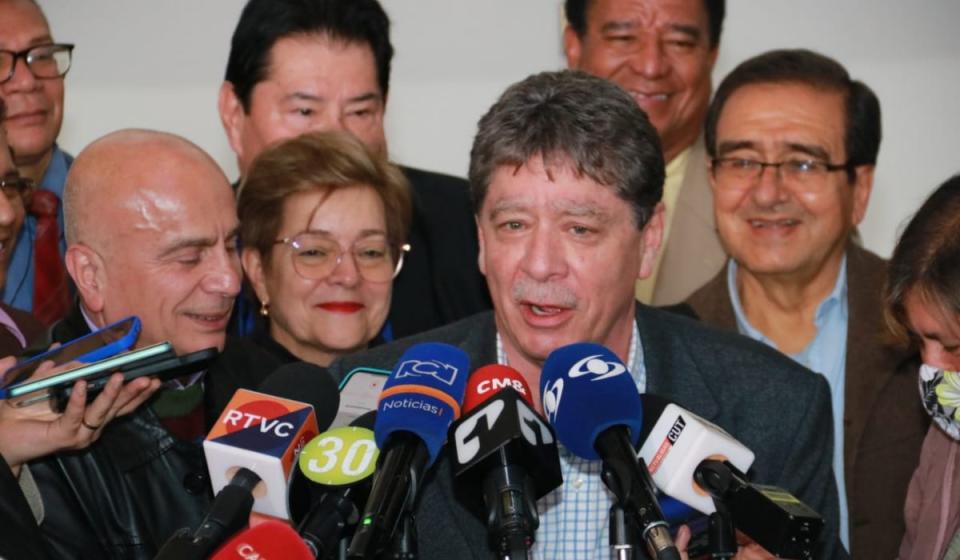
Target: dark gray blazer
{"points": [[777, 408]]}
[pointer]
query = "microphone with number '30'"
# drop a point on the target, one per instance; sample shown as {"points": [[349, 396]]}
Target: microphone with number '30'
{"points": [[503, 447], [593, 403]]}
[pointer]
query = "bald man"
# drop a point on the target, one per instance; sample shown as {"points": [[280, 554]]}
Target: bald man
{"points": [[151, 229]]}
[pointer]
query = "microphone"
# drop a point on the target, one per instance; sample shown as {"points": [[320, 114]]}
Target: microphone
{"points": [[332, 480], [504, 447], [418, 403], [698, 463], [264, 433], [593, 403], [227, 515], [266, 541]]}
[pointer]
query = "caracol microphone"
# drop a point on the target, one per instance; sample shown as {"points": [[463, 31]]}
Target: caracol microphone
{"points": [[418, 403], [592, 401], [502, 446]]}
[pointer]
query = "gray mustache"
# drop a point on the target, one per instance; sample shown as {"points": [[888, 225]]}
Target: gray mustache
{"points": [[548, 294]]}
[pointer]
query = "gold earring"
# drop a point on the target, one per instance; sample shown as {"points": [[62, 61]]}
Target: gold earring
{"points": [[264, 309]]}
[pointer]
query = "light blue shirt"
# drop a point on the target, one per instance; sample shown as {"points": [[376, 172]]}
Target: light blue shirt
{"points": [[574, 518], [18, 292], [827, 355]]}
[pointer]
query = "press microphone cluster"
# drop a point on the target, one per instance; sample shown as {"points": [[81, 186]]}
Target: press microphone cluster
{"points": [[593, 404], [502, 446], [701, 465]]}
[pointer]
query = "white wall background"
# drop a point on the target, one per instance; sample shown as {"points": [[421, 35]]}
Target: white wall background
{"points": [[158, 64]]}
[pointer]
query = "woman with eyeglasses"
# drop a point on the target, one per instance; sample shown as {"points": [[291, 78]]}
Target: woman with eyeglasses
{"points": [[923, 309], [323, 224]]}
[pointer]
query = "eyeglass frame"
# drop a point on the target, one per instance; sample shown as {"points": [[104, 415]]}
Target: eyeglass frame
{"points": [[24, 54], [779, 165], [23, 185], [291, 241]]}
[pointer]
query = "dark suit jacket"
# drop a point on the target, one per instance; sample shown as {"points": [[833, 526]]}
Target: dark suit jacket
{"points": [[726, 378], [19, 535], [884, 423], [29, 327], [440, 282]]}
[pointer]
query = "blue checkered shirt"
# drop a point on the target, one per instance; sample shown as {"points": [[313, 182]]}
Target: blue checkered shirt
{"points": [[574, 518]]}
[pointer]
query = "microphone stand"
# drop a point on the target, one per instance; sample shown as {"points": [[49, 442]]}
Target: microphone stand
{"points": [[623, 539], [721, 534]]}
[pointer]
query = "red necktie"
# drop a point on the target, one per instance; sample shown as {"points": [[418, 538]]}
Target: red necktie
{"points": [[51, 297]]}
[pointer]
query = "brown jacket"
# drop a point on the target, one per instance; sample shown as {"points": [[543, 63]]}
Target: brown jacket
{"points": [[884, 422]]}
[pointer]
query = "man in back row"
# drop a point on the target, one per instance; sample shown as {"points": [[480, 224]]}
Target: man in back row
{"points": [[303, 65], [662, 52], [567, 173], [793, 142]]}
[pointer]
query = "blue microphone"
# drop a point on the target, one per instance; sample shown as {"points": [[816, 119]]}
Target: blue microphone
{"points": [[418, 403], [592, 401]]}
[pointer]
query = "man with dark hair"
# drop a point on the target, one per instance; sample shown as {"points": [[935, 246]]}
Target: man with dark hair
{"points": [[662, 53], [32, 67], [793, 142], [566, 173], [303, 65]]}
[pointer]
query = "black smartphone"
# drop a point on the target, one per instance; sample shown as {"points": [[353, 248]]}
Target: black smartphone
{"points": [[104, 343], [88, 371], [164, 368]]}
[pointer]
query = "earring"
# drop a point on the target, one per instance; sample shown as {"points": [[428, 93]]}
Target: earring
{"points": [[264, 309]]}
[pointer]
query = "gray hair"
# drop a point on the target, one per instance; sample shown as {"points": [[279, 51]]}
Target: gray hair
{"points": [[572, 119]]}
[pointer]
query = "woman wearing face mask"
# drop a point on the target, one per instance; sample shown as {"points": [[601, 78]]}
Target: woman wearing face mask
{"points": [[923, 304]]}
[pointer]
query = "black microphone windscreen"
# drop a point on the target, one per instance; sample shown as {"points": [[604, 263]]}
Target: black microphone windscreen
{"points": [[307, 383], [365, 420]]}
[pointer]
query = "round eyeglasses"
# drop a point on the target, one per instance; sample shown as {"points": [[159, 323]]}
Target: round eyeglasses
{"points": [[316, 255], [44, 61]]}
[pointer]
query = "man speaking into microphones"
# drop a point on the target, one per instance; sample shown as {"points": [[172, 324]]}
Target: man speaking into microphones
{"points": [[566, 175]]}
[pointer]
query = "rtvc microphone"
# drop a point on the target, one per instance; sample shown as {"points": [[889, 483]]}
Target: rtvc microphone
{"points": [[419, 401], [269, 540], [331, 483], [264, 433], [503, 446], [227, 515], [695, 462], [592, 401]]}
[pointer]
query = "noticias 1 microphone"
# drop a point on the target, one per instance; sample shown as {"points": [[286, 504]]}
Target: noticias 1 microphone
{"points": [[264, 433], [418, 403], [698, 463], [593, 403], [502, 446], [331, 483]]}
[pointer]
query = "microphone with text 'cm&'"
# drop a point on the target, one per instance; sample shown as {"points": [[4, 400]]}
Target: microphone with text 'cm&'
{"points": [[264, 431], [593, 403], [418, 403], [502, 446], [697, 462], [331, 483], [268, 540]]}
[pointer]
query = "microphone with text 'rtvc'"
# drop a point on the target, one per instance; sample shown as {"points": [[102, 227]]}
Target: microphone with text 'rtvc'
{"points": [[331, 483], [701, 465], [504, 448], [418, 403], [250, 451], [593, 404]]}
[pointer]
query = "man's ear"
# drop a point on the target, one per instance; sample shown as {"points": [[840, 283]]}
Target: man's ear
{"points": [[233, 117], [480, 255], [572, 47], [86, 268], [253, 268], [652, 236]]}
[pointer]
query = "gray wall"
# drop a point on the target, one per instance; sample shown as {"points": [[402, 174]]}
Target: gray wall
{"points": [[158, 64]]}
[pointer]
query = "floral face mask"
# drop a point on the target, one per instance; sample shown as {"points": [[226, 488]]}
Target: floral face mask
{"points": [[940, 393]]}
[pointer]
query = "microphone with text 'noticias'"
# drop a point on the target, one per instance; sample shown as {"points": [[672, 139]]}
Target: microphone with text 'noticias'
{"points": [[418, 403], [264, 432], [592, 401], [503, 447], [331, 483], [698, 463]]}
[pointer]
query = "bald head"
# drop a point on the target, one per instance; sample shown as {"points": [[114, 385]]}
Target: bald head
{"points": [[151, 228]]}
